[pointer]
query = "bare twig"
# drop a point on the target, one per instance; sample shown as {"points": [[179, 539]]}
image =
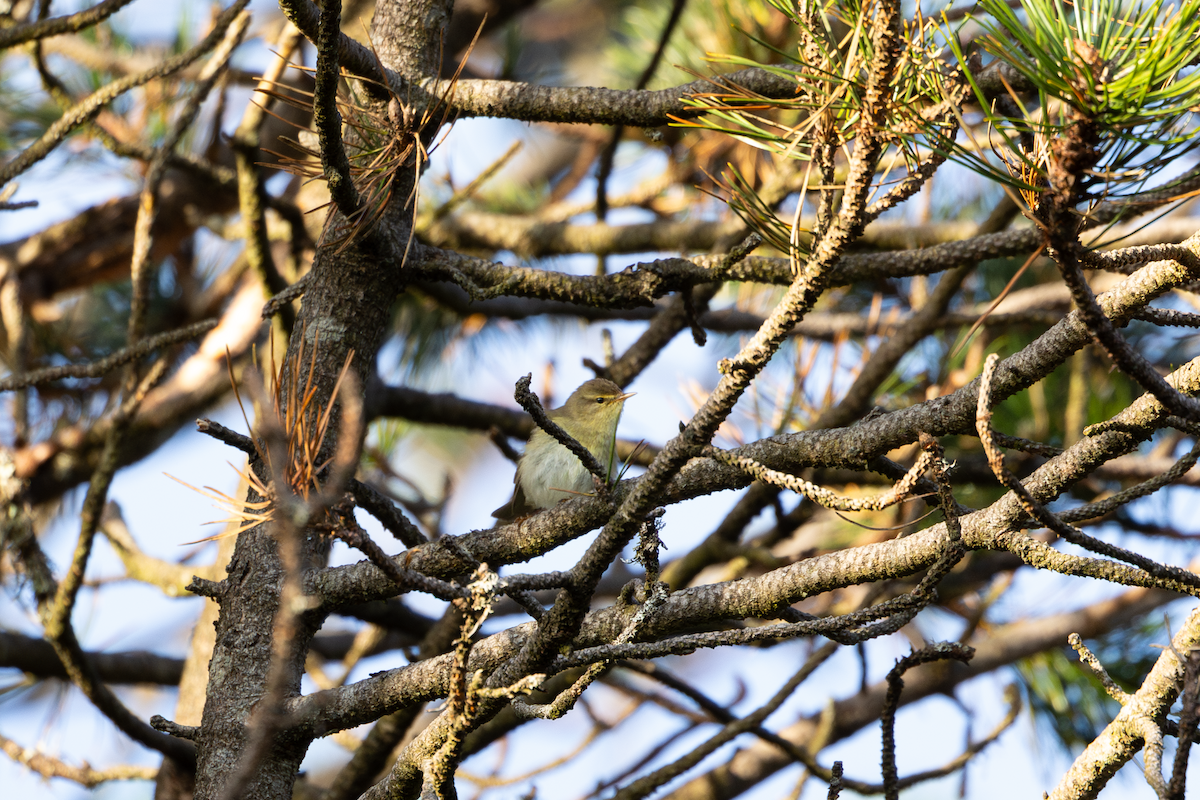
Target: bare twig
{"points": [[84, 775], [1093, 663], [57, 26], [1165, 573], [87, 109], [897, 494], [103, 366], [895, 681], [529, 401]]}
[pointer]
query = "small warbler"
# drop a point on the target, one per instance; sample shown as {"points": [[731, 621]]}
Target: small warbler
{"points": [[549, 472]]}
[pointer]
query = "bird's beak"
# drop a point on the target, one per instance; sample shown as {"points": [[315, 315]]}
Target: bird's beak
{"points": [[625, 397]]}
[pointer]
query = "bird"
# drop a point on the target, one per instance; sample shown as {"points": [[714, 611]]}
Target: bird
{"points": [[548, 472]]}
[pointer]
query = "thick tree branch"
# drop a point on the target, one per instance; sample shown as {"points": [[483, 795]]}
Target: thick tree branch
{"points": [[37, 657], [1124, 736], [1005, 645]]}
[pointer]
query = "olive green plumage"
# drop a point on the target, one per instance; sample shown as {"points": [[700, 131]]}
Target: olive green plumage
{"points": [[549, 472]]}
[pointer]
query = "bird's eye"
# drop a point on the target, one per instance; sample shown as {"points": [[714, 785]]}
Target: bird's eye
{"points": [[600, 400]]}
